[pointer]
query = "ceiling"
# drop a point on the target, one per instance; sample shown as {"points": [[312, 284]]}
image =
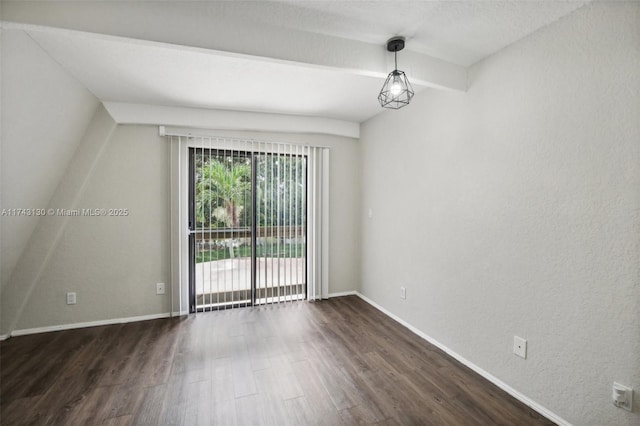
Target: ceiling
{"points": [[314, 58], [159, 74], [461, 32]]}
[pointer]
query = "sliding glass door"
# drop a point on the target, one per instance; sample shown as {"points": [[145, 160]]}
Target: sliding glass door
{"points": [[247, 228]]}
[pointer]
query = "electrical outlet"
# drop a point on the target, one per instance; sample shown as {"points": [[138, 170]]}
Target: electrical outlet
{"points": [[520, 347], [622, 396], [403, 293], [160, 288], [71, 298]]}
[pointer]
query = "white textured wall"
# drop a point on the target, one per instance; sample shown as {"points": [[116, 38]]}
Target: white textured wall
{"points": [[515, 210], [45, 112], [113, 263]]}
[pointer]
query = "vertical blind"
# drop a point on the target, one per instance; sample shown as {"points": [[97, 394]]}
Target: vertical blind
{"points": [[257, 224]]}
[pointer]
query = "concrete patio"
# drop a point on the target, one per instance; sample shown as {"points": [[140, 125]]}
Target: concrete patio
{"points": [[220, 279]]}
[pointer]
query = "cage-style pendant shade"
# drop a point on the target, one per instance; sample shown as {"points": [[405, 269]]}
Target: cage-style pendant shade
{"points": [[396, 91]]}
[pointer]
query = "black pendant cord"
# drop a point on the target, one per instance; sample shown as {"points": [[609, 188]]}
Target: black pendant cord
{"points": [[395, 55]]}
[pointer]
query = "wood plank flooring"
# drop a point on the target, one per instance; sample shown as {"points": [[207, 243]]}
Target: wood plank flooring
{"points": [[335, 362]]}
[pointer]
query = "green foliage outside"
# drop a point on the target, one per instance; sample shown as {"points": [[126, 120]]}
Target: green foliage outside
{"points": [[223, 190], [224, 199], [269, 251], [280, 191]]}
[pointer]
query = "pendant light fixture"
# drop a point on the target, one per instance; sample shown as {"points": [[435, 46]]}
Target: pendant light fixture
{"points": [[396, 91]]}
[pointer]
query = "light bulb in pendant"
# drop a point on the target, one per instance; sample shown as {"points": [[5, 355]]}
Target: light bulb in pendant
{"points": [[396, 88]]}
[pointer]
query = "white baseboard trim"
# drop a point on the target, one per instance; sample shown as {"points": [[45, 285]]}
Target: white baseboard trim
{"points": [[343, 293], [511, 391], [61, 327]]}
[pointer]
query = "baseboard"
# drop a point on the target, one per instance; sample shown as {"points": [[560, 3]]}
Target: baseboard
{"points": [[514, 393], [61, 327], [343, 293]]}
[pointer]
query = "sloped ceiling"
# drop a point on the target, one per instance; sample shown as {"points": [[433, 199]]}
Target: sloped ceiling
{"points": [[154, 73], [316, 58]]}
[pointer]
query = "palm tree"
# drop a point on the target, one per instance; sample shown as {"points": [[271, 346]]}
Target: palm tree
{"points": [[221, 190]]}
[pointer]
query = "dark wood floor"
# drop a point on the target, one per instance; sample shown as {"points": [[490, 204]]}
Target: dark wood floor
{"points": [[333, 362]]}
